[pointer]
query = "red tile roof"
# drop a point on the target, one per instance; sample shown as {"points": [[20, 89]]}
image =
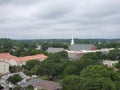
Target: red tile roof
{"points": [[34, 57], [8, 56]]}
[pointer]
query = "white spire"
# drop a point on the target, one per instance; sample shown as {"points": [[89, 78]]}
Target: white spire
{"points": [[72, 41]]}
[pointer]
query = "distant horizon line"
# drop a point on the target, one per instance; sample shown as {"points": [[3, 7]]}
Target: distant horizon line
{"points": [[57, 38]]}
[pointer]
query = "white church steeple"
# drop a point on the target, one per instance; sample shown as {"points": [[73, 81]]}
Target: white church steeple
{"points": [[72, 41]]}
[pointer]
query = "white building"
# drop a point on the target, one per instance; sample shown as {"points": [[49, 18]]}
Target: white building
{"points": [[109, 63], [4, 67], [6, 60], [5, 83]]}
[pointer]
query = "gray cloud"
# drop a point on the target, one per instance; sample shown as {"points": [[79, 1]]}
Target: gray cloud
{"points": [[27, 19]]}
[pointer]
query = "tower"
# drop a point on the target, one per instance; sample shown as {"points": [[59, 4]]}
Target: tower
{"points": [[72, 41]]}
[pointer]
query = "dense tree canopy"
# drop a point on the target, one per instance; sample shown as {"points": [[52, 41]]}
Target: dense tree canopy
{"points": [[94, 77], [30, 64], [46, 45], [71, 83], [114, 54], [15, 78], [29, 87]]}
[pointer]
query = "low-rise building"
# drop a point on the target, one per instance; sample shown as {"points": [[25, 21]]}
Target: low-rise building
{"points": [[39, 57], [6, 84], [38, 47], [4, 67], [6, 60], [54, 50], [109, 63], [81, 47]]}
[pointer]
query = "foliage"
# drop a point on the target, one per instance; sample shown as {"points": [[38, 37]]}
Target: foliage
{"points": [[71, 83], [46, 45], [14, 69], [30, 64], [96, 84], [15, 78], [117, 65], [52, 67], [29, 87], [98, 77], [96, 71], [95, 56], [94, 77], [6, 45], [113, 44], [114, 54], [70, 70]]}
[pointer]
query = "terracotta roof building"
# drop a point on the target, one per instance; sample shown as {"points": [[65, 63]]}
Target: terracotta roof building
{"points": [[33, 57], [6, 60], [8, 56], [39, 57]]}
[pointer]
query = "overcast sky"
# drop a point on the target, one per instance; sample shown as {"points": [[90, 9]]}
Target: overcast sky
{"points": [[41, 19]]}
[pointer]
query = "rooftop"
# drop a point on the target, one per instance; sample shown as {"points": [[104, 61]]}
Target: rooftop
{"points": [[8, 56], [79, 47], [54, 50], [47, 85], [33, 57]]}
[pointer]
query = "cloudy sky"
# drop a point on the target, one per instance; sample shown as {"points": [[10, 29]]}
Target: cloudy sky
{"points": [[41, 19]]}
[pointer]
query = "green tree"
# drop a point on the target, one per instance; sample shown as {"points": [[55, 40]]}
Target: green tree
{"points": [[15, 78], [29, 87], [114, 54], [91, 56], [30, 64], [95, 56], [101, 83], [98, 77], [118, 65], [14, 69], [70, 70], [71, 83]]}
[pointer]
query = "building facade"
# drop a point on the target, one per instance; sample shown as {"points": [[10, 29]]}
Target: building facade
{"points": [[4, 67], [7, 60]]}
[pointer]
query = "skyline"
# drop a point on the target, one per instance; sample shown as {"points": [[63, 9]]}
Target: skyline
{"points": [[59, 19]]}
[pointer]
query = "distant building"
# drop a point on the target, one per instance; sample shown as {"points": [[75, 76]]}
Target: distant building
{"points": [[109, 63], [82, 47], [76, 51], [38, 47], [54, 50], [74, 55]]}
